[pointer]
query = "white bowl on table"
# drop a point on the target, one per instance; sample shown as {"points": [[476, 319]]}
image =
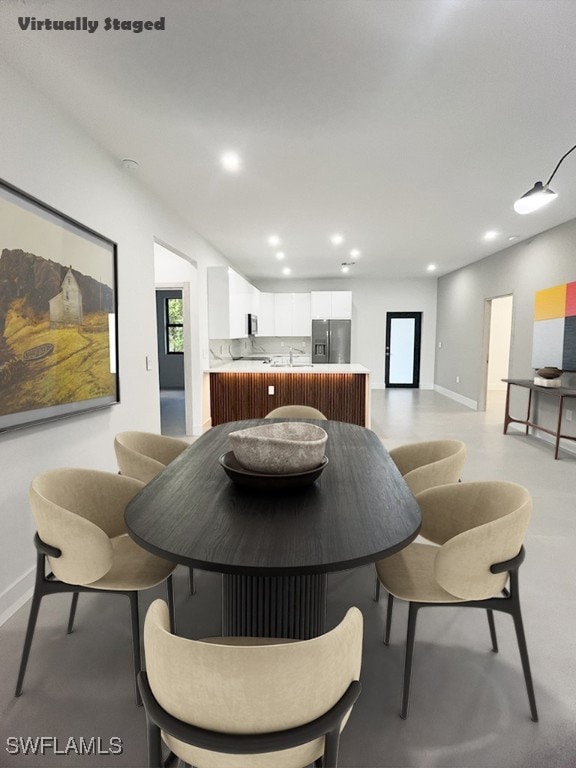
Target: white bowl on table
{"points": [[283, 447]]}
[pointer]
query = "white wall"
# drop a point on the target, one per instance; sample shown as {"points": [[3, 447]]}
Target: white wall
{"points": [[44, 154], [371, 300]]}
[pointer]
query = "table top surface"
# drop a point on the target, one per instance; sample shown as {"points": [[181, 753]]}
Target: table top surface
{"points": [[565, 391], [358, 511]]}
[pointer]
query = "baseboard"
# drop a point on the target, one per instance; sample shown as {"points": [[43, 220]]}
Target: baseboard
{"points": [[381, 385], [199, 429], [16, 595], [473, 404]]}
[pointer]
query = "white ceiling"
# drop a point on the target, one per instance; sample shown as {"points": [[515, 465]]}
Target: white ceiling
{"points": [[408, 125]]}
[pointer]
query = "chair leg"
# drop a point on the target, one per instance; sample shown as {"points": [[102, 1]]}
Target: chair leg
{"points": [[154, 745], [492, 630], [520, 636], [72, 613], [191, 584], [34, 608], [389, 608], [170, 596], [377, 589], [331, 748], [408, 658], [136, 653]]}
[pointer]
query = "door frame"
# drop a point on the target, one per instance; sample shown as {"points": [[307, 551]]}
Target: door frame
{"points": [[185, 288], [487, 329], [417, 317]]}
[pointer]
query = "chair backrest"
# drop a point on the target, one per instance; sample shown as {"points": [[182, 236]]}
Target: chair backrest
{"points": [[144, 454], [295, 412], [430, 463], [250, 689], [79, 511], [476, 525]]}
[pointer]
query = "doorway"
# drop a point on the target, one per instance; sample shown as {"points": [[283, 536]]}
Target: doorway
{"points": [[402, 356], [496, 351], [170, 337]]}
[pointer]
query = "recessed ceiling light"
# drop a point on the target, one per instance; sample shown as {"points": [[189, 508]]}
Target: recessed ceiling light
{"points": [[274, 241], [431, 267], [355, 253], [286, 271], [280, 255], [345, 268], [231, 161], [491, 235], [337, 238]]}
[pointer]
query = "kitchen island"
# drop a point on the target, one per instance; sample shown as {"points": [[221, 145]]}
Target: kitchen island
{"points": [[249, 389]]}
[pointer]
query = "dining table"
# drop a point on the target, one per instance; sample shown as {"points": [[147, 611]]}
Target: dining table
{"points": [[276, 546]]}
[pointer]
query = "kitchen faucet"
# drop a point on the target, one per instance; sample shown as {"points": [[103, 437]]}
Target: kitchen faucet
{"points": [[292, 350]]}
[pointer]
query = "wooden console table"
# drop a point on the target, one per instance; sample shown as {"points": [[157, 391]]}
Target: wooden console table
{"points": [[560, 393]]}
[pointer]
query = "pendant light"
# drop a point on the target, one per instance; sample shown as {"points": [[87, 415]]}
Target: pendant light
{"points": [[540, 194]]}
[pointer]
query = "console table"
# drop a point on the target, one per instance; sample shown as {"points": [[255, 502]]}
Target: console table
{"points": [[560, 393]]}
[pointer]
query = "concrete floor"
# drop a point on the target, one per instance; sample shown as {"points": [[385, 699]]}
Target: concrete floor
{"points": [[469, 707]]}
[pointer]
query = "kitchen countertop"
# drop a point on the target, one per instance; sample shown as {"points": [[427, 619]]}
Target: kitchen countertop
{"points": [[258, 366]]}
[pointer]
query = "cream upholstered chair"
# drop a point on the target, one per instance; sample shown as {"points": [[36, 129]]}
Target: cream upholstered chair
{"points": [[425, 465], [295, 412], [79, 516], [143, 455], [430, 463], [476, 530], [249, 702]]}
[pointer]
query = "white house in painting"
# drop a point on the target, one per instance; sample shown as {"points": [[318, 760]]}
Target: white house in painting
{"points": [[66, 307]]}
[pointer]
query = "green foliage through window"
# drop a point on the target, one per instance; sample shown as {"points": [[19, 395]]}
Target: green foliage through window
{"points": [[174, 327]]}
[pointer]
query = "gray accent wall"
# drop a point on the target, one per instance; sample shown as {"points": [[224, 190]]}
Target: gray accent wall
{"points": [[541, 262]]}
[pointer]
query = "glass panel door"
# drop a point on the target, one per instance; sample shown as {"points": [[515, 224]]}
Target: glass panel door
{"points": [[402, 358]]}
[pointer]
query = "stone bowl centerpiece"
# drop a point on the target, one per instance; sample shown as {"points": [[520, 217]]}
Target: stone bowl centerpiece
{"points": [[549, 372], [280, 448]]}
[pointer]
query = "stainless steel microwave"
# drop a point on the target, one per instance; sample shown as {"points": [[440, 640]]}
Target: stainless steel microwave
{"points": [[252, 325]]}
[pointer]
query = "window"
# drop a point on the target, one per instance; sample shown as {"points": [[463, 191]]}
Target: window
{"points": [[174, 327]]}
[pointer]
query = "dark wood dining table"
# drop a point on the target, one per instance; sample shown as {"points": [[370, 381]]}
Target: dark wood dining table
{"points": [[275, 548]]}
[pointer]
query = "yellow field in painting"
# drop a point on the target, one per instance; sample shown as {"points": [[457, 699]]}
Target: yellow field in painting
{"points": [[78, 368], [550, 303]]}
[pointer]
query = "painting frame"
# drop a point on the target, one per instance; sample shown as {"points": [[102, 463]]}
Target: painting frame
{"points": [[58, 314]]}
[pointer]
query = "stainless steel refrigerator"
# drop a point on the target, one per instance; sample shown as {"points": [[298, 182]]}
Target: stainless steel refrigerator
{"points": [[331, 341]]}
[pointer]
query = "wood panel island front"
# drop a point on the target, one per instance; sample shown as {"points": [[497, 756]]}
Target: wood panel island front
{"points": [[250, 390]]}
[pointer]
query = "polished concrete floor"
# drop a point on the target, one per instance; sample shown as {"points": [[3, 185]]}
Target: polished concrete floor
{"points": [[469, 707]]}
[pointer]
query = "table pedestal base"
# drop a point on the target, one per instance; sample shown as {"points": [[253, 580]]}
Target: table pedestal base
{"points": [[274, 606]]}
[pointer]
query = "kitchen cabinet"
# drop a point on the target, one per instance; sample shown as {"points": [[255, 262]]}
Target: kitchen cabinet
{"points": [[331, 305], [301, 314], [292, 314], [230, 299], [266, 315]]}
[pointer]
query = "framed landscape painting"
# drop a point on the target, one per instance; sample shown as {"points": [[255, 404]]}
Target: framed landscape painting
{"points": [[58, 306]]}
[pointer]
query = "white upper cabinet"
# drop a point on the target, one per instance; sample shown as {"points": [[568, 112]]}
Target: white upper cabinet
{"points": [[282, 314], [292, 314], [230, 299], [301, 314], [331, 305], [266, 315]]}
